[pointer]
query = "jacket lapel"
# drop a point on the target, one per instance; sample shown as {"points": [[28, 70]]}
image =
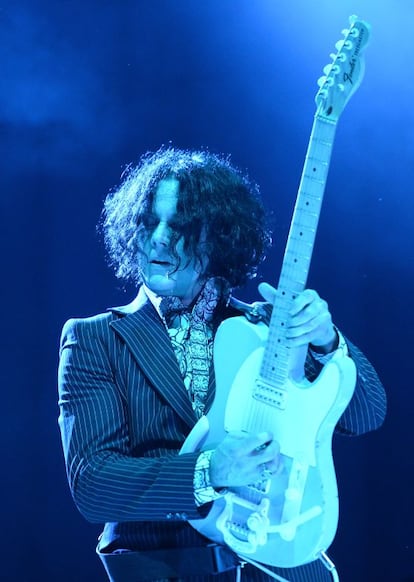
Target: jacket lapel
{"points": [[211, 389], [147, 338]]}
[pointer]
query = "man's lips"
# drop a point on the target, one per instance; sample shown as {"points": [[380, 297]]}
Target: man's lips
{"points": [[161, 263]]}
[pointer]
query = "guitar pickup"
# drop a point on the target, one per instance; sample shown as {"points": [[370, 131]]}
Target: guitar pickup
{"points": [[269, 394]]}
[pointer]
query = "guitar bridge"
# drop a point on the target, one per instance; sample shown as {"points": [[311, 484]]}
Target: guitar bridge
{"points": [[270, 395], [244, 524]]}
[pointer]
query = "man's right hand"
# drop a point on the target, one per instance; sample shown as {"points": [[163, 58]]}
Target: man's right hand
{"points": [[243, 459]]}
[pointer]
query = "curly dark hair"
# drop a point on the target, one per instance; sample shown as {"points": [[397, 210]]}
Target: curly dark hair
{"points": [[214, 198]]}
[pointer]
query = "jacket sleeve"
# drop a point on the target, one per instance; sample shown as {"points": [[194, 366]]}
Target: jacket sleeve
{"points": [[107, 482], [367, 407]]}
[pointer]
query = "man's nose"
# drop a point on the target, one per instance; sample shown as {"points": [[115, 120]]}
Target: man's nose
{"points": [[161, 235]]}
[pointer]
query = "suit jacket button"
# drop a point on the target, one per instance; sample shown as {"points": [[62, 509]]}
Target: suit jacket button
{"points": [[170, 515]]}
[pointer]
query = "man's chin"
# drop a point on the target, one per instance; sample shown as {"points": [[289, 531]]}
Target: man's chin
{"points": [[160, 284]]}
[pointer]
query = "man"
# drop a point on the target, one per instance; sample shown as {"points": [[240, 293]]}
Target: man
{"points": [[187, 228]]}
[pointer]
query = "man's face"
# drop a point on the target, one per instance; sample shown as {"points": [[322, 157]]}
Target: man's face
{"points": [[158, 265]]}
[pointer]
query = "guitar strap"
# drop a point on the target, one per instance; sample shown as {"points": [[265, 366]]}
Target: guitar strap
{"points": [[143, 566]]}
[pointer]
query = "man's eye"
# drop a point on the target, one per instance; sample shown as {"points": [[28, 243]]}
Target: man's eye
{"points": [[175, 226], [150, 222]]}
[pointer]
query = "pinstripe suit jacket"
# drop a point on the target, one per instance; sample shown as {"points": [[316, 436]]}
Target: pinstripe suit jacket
{"points": [[124, 414]]}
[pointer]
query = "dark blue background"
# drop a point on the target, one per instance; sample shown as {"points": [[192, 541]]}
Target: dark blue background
{"points": [[87, 87]]}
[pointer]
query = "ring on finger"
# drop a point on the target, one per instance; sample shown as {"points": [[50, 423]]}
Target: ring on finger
{"points": [[265, 472]]}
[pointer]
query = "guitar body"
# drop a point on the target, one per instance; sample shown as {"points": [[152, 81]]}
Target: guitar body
{"points": [[289, 519]]}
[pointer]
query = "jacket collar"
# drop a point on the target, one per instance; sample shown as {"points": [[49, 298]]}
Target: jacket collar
{"points": [[140, 301]]}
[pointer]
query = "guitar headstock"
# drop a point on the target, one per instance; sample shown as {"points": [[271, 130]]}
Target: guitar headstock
{"points": [[344, 75]]}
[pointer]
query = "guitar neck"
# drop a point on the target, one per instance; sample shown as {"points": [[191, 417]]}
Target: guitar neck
{"points": [[301, 239], [277, 361]]}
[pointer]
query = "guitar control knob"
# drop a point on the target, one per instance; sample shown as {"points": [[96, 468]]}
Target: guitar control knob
{"points": [[254, 521]]}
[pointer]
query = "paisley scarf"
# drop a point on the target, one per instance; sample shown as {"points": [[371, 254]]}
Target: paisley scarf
{"points": [[191, 329]]}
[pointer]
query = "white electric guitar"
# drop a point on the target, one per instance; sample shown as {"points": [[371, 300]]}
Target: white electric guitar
{"points": [[292, 517]]}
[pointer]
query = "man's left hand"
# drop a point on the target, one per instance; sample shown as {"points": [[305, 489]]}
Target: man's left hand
{"points": [[310, 321]]}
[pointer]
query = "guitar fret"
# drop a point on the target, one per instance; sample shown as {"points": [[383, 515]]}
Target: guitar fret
{"points": [[302, 231], [312, 178], [312, 196], [275, 373], [318, 161], [292, 256], [305, 214], [319, 141], [301, 241]]}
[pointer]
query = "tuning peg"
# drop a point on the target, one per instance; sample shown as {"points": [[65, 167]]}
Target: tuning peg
{"points": [[344, 44], [341, 57], [327, 69], [321, 81], [353, 31], [322, 94]]}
